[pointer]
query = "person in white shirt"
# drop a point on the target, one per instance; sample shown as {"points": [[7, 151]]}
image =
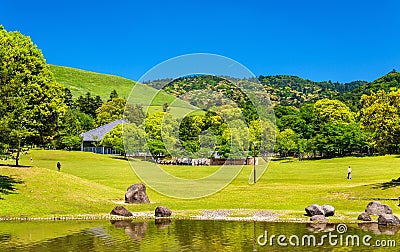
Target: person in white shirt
{"points": [[349, 171]]}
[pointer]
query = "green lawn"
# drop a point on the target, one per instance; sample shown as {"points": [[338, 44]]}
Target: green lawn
{"points": [[94, 184]]}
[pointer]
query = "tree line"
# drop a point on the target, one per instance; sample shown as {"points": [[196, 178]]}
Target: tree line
{"points": [[329, 128]]}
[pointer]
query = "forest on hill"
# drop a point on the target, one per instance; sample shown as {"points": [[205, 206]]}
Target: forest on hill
{"points": [[292, 90], [312, 118]]}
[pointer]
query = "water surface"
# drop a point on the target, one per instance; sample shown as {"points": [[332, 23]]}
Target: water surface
{"points": [[194, 235]]}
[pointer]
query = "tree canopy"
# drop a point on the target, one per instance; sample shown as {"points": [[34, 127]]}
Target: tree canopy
{"points": [[380, 116], [31, 101]]}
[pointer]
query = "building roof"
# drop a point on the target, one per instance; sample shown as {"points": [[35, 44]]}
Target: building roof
{"points": [[97, 134]]}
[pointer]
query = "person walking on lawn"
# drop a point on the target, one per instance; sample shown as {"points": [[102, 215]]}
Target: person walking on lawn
{"points": [[349, 171]]}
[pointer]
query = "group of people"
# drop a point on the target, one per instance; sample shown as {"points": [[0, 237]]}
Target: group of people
{"points": [[184, 161]]}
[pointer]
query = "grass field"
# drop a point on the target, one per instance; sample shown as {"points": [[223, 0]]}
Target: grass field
{"points": [[94, 184]]}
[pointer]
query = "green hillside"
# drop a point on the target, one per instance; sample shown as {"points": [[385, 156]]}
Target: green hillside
{"points": [[387, 82], [293, 90], [80, 82]]}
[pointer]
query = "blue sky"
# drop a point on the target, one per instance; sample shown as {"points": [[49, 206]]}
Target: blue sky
{"points": [[318, 40]]}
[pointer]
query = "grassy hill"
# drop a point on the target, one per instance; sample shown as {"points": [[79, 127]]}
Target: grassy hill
{"points": [[80, 82], [94, 184]]}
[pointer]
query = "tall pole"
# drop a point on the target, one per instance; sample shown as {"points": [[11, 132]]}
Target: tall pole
{"points": [[254, 163]]}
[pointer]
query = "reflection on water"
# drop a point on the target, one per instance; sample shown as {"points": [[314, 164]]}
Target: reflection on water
{"points": [[374, 228], [320, 227], [181, 235], [162, 223], [134, 230]]}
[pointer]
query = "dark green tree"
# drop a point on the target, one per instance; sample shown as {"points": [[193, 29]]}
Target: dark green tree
{"points": [[88, 104], [73, 123], [68, 100], [113, 95]]}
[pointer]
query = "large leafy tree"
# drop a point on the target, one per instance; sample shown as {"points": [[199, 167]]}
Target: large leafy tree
{"points": [[286, 142], [159, 128], [73, 123], [189, 132], [114, 139], [31, 101], [126, 138], [332, 111], [380, 116], [134, 114], [336, 130], [134, 138], [338, 139], [110, 111]]}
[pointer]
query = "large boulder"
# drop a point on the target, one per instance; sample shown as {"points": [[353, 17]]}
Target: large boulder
{"points": [[136, 193], [377, 208], [364, 217], [328, 210], [319, 218], [314, 209], [121, 211], [388, 219], [162, 211]]}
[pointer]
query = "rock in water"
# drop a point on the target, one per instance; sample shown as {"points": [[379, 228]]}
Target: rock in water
{"points": [[121, 211], [388, 219], [136, 193], [328, 210], [377, 208], [318, 218], [162, 211], [314, 209], [364, 217]]}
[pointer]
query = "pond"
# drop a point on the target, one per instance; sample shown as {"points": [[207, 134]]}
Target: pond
{"points": [[194, 235]]}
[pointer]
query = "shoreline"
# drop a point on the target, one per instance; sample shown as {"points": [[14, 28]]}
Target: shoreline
{"points": [[246, 215]]}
